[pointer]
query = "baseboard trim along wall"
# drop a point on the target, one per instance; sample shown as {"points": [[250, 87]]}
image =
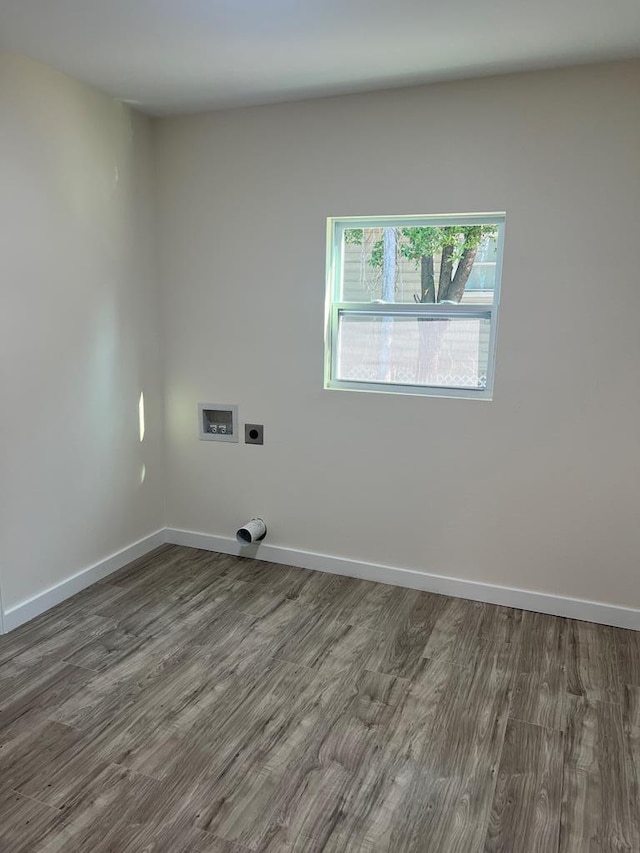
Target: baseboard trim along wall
{"points": [[556, 605], [32, 607]]}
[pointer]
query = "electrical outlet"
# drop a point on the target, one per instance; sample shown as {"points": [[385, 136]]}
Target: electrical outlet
{"points": [[254, 434]]}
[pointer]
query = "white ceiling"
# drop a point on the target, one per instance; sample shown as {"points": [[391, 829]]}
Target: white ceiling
{"points": [[181, 55]]}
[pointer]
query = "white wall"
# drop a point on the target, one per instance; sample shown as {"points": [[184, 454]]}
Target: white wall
{"points": [[78, 329], [538, 489]]}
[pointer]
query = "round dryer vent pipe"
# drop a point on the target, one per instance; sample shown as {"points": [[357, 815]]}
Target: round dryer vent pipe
{"points": [[252, 531]]}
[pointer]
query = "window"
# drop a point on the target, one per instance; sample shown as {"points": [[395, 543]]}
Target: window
{"points": [[412, 303]]}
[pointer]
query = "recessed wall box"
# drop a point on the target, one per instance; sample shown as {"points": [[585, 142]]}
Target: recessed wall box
{"points": [[217, 422]]}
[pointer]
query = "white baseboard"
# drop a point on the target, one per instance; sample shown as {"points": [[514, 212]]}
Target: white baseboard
{"points": [[556, 605], [540, 602], [32, 607]]}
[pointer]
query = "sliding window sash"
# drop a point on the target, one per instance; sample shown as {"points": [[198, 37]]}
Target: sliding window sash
{"points": [[440, 310], [420, 311]]}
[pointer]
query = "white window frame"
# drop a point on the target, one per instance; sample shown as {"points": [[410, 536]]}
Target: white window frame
{"points": [[336, 225]]}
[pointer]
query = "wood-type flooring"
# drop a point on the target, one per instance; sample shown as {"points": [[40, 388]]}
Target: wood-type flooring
{"points": [[200, 702]]}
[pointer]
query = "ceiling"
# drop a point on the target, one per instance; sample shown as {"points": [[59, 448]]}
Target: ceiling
{"points": [[170, 56]]}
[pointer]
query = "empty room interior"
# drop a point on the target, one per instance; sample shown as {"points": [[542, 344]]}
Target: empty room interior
{"points": [[320, 443]]}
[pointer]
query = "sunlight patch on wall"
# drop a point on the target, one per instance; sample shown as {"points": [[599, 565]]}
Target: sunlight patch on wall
{"points": [[141, 415]]}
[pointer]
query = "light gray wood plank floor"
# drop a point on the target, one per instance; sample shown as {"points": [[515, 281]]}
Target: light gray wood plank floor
{"points": [[199, 702]]}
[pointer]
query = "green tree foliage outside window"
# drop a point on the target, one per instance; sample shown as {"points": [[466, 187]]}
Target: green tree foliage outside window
{"points": [[457, 246]]}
